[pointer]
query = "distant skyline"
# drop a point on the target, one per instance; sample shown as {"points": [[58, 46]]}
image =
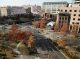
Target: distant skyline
{"points": [[27, 2]]}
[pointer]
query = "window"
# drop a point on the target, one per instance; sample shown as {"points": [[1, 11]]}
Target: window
{"points": [[65, 10], [58, 10], [79, 19], [60, 18], [75, 10], [74, 14], [72, 22], [70, 10], [77, 22], [61, 10], [73, 18], [79, 15], [65, 18]]}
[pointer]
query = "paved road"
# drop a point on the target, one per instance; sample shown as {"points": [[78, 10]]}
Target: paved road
{"points": [[46, 44]]}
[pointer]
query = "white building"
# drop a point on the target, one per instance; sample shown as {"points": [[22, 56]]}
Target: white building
{"points": [[52, 7]]}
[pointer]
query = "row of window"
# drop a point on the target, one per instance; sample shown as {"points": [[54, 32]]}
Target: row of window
{"points": [[75, 15], [74, 23], [78, 19], [70, 10]]}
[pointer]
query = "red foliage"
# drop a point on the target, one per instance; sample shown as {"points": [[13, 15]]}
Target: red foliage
{"points": [[16, 34]]}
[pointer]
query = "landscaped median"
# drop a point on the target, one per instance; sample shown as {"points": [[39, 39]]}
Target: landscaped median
{"points": [[66, 50]]}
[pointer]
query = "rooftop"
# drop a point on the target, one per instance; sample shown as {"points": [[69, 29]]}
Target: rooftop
{"points": [[64, 2]]}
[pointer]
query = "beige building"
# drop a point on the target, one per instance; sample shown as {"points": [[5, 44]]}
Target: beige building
{"points": [[74, 10], [4, 11]]}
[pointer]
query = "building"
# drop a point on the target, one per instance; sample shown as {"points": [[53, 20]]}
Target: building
{"points": [[35, 9], [76, 1], [4, 11], [74, 10], [52, 7], [27, 8], [11, 10], [63, 20], [17, 10]]}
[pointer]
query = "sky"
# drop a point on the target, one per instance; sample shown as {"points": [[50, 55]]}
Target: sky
{"points": [[27, 2]]}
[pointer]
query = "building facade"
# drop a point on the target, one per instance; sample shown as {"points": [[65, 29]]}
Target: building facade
{"points": [[76, 1], [52, 7], [35, 9], [11, 10], [63, 21], [4, 11], [27, 8], [74, 10], [17, 10]]}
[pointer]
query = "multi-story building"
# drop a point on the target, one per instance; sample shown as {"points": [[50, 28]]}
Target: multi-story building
{"points": [[27, 8], [35, 9], [52, 7], [8, 10], [74, 10], [17, 10], [4, 11], [76, 1]]}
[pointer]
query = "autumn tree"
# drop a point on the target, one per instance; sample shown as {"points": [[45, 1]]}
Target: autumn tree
{"points": [[64, 27], [13, 33], [42, 23], [30, 41], [56, 27], [61, 43]]}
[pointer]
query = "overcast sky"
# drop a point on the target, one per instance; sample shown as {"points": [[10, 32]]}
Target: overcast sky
{"points": [[27, 2]]}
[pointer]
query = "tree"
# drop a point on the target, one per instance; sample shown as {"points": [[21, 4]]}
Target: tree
{"points": [[56, 27], [74, 29], [61, 43], [64, 28], [42, 23], [30, 41]]}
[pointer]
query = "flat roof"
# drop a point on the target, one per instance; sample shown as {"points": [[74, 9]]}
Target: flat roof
{"points": [[64, 2]]}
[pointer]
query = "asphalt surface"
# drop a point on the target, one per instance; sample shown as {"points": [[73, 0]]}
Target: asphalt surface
{"points": [[46, 45]]}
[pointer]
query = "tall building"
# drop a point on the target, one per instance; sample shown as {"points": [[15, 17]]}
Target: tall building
{"points": [[52, 7], [74, 10]]}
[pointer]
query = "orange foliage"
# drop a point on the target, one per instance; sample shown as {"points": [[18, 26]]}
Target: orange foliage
{"points": [[30, 41], [40, 24], [74, 29], [16, 34], [56, 27], [61, 43], [64, 27]]}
